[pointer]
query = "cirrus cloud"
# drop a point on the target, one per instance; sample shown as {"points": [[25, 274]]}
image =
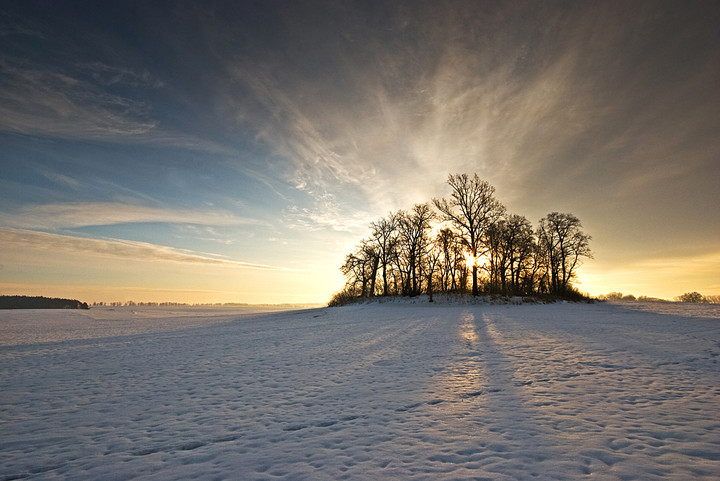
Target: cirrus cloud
{"points": [[82, 214], [29, 240]]}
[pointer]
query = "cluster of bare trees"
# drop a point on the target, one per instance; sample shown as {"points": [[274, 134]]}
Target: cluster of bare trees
{"points": [[467, 243], [697, 298]]}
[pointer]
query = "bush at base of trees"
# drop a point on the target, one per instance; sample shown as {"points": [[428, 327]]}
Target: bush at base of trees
{"points": [[344, 298]]}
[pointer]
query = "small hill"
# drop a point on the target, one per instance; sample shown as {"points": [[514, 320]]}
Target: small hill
{"points": [[25, 302]]}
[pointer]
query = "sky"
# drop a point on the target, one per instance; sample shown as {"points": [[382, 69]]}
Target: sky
{"points": [[236, 151]]}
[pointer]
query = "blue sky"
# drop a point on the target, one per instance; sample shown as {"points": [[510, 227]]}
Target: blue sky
{"points": [[236, 151]]}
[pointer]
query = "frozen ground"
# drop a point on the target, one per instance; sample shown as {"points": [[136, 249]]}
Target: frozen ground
{"points": [[386, 391]]}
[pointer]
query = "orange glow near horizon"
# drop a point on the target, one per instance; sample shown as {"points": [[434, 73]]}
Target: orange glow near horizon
{"points": [[663, 278]]}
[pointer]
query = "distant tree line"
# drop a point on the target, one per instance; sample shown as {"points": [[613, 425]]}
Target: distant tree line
{"points": [[25, 302], [696, 297], [138, 304], [168, 304], [619, 296], [692, 297], [465, 243]]}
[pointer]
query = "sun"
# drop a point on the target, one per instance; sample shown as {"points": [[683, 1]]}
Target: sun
{"points": [[470, 260]]}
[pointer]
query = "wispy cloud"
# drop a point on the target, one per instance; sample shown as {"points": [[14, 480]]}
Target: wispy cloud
{"points": [[13, 24], [81, 104], [535, 100], [326, 213], [111, 75], [61, 179], [42, 102], [80, 214], [404, 127], [29, 240], [205, 233]]}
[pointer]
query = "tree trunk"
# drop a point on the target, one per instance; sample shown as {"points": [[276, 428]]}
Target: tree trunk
{"points": [[385, 282], [374, 276], [475, 284]]}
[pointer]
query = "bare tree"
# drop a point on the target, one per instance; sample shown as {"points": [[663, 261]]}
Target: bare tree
{"points": [[452, 259], [694, 297], [471, 208], [432, 262], [360, 268], [535, 275], [497, 256], [564, 245], [414, 227], [385, 236], [354, 271], [511, 243]]}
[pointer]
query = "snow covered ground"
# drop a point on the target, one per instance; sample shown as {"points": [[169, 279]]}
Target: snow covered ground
{"points": [[374, 391]]}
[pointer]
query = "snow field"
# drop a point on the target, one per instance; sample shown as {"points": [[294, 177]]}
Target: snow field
{"points": [[370, 391]]}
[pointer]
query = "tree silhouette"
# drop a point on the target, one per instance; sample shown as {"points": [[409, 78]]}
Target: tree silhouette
{"points": [[516, 260], [452, 263], [694, 297], [385, 236], [360, 268], [564, 246], [414, 227], [471, 209], [510, 243], [432, 257]]}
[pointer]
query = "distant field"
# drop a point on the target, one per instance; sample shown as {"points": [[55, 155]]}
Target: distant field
{"points": [[41, 325]]}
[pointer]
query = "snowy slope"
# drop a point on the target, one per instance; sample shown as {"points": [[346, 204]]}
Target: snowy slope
{"points": [[366, 392]]}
